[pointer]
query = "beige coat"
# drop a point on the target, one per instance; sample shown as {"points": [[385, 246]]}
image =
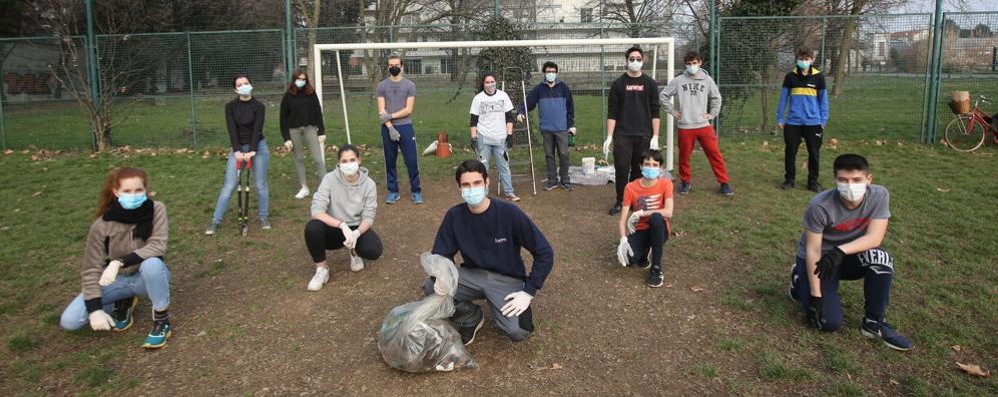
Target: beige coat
{"points": [[120, 243]]}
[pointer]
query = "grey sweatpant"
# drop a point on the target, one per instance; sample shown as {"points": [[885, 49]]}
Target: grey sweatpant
{"points": [[310, 136], [476, 284]]}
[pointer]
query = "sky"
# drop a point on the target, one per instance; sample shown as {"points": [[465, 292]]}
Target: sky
{"points": [[949, 5]]}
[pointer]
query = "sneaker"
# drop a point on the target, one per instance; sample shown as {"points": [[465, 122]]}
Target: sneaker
{"points": [[211, 230], [417, 198], [615, 209], [265, 224], [644, 265], [157, 337], [512, 197], [793, 280], [123, 310], [655, 278], [885, 332], [302, 193], [468, 333], [356, 263], [684, 187], [787, 185], [814, 187], [550, 185], [568, 187], [726, 190], [320, 278], [393, 197]]}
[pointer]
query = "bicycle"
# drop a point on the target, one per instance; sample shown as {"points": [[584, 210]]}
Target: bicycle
{"points": [[968, 131]]}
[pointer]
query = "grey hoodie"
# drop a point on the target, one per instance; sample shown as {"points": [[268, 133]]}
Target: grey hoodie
{"points": [[346, 201], [693, 92]]}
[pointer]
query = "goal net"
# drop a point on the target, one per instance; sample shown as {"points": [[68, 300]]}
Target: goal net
{"points": [[446, 74]]}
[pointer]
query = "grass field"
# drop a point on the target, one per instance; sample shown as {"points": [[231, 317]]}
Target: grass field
{"points": [[722, 325]]}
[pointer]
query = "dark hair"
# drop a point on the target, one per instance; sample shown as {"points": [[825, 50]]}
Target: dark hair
{"points": [[113, 182], [850, 162], [470, 166], [547, 65], [239, 76], [805, 52], [481, 81], [633, 49], [692, 56], [293, 89], [652, 154], [347, 148]]}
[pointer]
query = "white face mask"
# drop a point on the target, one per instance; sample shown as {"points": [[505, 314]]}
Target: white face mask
{"points": [[851, 192], [634, 66], [349, 169], [490, 87]]}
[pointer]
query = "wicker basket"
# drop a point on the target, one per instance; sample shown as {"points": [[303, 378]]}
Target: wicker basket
{"points": [[960, 104]]}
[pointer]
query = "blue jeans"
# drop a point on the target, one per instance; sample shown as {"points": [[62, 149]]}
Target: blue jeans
{"points": [[407, 143], [498, 152], [152, 281], [260, 162]]}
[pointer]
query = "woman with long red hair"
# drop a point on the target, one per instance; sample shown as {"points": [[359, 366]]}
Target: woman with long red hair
{"points": [[301, 122], [123, 260]]}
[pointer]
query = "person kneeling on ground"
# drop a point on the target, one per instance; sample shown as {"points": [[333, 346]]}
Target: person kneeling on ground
{"points": [[843, 231], [489, 235], [342, 215], [123, 259], [647, 228]]}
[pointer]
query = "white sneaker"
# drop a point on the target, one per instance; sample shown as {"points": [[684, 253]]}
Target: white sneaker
{"points": [[356, 263], [302, 193], [320, 278]]}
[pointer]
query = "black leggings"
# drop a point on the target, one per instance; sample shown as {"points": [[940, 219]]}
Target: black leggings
{"points": [[320, 237]]}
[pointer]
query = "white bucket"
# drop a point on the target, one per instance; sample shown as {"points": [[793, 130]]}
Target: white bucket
{"points": [[588, 165]]}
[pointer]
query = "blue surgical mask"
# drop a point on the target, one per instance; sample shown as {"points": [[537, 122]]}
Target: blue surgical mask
{"points": [[803, 65], [550, 77], [300, 83], [692, 70], [473, 195], [131, 201], [245, 90], [650, 172]]}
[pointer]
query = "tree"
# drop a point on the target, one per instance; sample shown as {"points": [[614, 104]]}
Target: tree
{"points": [[981, 30], [510, 64], [641, 18]]}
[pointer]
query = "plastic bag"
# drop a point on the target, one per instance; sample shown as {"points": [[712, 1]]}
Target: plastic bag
{"points": [[417, 336]]}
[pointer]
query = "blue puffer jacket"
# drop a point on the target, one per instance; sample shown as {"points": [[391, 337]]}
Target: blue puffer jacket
{"points": [[557, 112]]}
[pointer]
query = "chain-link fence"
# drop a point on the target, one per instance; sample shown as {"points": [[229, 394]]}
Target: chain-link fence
{"points": [[969, 61]]}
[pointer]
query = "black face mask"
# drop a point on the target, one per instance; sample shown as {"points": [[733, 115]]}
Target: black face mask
{"points": [[394, 70]]}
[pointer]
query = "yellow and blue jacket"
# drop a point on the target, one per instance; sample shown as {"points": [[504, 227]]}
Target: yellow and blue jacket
{"points": [[804, 98]]}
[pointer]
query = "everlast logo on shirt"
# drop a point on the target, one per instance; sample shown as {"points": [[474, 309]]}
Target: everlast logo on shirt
{"points": [[694, 88], [635, 87], [500, 240]]}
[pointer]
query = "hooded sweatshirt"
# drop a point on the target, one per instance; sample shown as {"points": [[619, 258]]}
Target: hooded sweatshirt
{"points": [[693, 92], [557, 112], [350, 202]]}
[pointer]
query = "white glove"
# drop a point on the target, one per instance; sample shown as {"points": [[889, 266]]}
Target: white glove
{"points": [[351, 242], [393, 134], [624, 251], [384, 117], [110, 273], [571, 130], [516, 304], [606, 147], [632, 221], [439, 288], [322, 138], [520, 118], [101, 321], [347, 235], [653, 145], [289, 145]]}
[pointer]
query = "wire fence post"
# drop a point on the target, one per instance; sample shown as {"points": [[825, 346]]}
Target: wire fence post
{"points": [[190, 84], [932, 96], [824, 33]]}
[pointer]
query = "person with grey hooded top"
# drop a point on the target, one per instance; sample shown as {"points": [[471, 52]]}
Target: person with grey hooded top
{"points": [[695, 90], [343, 212]]}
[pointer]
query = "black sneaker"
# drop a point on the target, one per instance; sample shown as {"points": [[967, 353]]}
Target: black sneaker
{"points": [[655, 278], [468, 333], [568, 187], [787, 185], [884, 331], [615, 209], [550, 185], [725, 190], [123, 310], [814, 187], [684, 187]]}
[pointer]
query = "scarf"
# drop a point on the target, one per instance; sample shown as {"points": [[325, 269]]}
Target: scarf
{"points": [[140, 217]]}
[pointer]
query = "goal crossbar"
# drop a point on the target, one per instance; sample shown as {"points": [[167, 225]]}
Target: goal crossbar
{"points": [[655, 41]]}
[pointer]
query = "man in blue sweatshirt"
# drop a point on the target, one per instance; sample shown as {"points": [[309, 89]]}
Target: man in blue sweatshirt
{"points": [[557, 112], [805, 95], [489, 235]]}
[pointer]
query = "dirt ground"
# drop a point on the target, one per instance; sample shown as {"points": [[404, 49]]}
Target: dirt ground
{"points": [[252, 328]]}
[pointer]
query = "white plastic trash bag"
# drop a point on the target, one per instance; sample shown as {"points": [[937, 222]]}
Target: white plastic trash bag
{"points": [[417, 336]]}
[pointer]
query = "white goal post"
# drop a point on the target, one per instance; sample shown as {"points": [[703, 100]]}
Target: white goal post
{"points": [[652, 41]]}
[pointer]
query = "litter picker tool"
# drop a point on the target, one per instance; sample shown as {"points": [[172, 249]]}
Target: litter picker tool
{"points": [[245, 168]]}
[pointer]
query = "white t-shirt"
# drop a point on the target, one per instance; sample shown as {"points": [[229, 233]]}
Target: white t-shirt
{"points": [[491, 111]]}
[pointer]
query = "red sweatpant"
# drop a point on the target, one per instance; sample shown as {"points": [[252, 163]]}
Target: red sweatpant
{"points": [[708, 142]]}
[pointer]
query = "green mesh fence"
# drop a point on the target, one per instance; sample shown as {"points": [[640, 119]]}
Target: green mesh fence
{"points": [[969, 62]]}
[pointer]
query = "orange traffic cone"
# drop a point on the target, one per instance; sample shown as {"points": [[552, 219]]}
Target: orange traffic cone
{"points": [[443, 148]]}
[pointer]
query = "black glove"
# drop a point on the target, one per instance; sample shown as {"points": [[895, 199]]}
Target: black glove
{"points": [[474, 145], [829, 263], [509, 141], [816, 313]]}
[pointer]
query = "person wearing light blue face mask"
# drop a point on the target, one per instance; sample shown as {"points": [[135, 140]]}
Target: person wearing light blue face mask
{"points": [[557, 123], [302, 125], [124, 260], [644, 231], [489, 234], [804, 99]]}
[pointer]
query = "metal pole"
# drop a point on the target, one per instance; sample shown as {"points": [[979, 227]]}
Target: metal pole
{"points": [[190, 81], [670, 135], [289, 55], [3, 127], [495, 8], [92, 67], [343, 95], [824, 29], [712, 46], [929, 125], [602, 78]]}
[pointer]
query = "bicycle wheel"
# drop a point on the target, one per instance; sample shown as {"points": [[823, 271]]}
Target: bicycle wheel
{"points": [[960, 136]]}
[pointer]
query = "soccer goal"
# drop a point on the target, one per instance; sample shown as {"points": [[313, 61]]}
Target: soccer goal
{"points": [[445, 73]]}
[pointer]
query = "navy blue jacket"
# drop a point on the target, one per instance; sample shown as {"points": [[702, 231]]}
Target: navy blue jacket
{"points": [[492, 241], [557, 111]]}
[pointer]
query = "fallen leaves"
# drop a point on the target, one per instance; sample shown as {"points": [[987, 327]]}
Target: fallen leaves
{"points": [[974, 370], [553, 366], [939, 189], [8, 152], [696, 289]]}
